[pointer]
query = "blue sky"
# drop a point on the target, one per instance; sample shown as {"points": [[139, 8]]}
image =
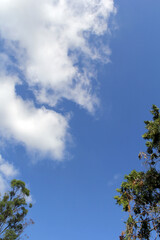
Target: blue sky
{"points": [[74, 94]]}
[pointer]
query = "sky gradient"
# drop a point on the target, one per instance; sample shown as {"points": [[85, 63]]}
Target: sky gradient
{"points": [[77, 80]]}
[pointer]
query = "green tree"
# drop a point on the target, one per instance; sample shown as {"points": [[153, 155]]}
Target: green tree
{"points": [[139, 194], [13, 210]]}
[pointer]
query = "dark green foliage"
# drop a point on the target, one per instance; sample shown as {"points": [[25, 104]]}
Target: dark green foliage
{"points": [[139, 194], [10, 235], [13, 210], [153, 134]]}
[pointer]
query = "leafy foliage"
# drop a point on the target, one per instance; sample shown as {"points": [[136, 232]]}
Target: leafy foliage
{"points": [[13, 210], [139, 194]]}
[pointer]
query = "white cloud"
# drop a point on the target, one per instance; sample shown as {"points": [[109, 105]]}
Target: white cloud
{"points": [[39, 129], [7, 171], [3, 185], [114, 180], [47, 37], [30, 199], [45, 32]]}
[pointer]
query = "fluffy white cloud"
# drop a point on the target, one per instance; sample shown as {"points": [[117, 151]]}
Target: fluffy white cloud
{"points": [[47, 38], [43, 33], [38, 129], [7, 171]]}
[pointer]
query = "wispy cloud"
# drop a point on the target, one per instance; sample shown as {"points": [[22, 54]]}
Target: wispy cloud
{"points": [[114, 180], [7, 172], [45, 40]]}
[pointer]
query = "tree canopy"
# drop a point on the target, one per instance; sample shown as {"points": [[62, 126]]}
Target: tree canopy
{"points": [[13, 210], [139, 194]]}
